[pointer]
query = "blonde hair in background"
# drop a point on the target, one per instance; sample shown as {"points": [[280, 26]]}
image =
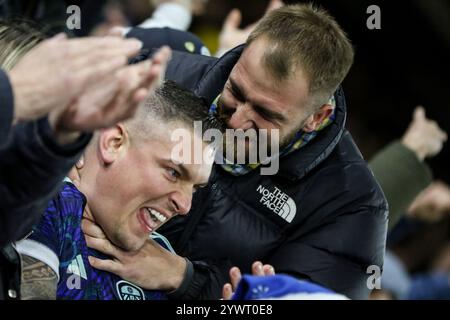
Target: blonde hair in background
{"points": [[17, 37]]}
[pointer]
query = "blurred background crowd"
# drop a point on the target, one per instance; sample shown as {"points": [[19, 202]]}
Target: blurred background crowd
{"points": [[398, 67]]}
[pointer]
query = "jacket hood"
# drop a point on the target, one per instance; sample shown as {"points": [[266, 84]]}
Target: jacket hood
{"points": [[297, 164]]}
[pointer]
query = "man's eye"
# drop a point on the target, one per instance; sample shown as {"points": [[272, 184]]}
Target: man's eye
{"points": [[227, 111], [235, 94], [173, 173], [265, 115]]}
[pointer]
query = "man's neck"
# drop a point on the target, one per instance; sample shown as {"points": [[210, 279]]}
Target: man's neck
{"points": [[87, 213]]}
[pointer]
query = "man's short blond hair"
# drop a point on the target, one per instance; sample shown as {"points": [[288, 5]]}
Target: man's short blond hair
{"points": [[309, 38]]}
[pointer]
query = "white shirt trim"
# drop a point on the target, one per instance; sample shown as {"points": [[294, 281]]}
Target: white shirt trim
{"points": [[171, 15]]}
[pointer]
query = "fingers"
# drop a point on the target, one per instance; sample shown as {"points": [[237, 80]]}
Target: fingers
{"points": [[105, 265], [58, 37], [103, 245], [152, 75], [419, 113], [73, 174], [80, 163], [131, 77], [92, 229], [113, 90], [441, 134], [140, 96], [427, 127], [124, 104], [227, 291], [235, 276], [116, 32], [273, 5], [420, 117], [84, 76], [268, 270], [158, 68], [163, 55], [89, 112], [112, 99], [83, 47], [91, 66], [155, 77], [233, 20], [257, 269], [74, 177]]}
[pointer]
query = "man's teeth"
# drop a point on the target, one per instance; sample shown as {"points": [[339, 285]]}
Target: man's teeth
{"points": [[156, 216]]}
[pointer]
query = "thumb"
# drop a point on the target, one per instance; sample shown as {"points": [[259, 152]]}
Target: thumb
{"points": [[116, 32], [233, 20], [274, 4], [419, 113], [227, 291], [59, 36], [80, 163]]}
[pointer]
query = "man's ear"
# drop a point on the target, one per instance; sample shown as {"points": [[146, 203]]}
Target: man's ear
{"points": [[112, 143], [316, 119]]}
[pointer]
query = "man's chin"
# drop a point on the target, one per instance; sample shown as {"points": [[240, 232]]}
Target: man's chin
{"points": [[131, 244]]}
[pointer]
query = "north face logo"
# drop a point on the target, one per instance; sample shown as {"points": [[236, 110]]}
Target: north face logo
{"points": [[278, 202]]}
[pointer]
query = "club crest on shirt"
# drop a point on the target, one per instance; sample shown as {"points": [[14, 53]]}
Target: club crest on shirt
{"points": [[128, 291]]}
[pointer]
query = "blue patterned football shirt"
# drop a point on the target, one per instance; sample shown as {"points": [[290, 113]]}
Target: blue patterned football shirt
{"points": [[58, 241]]}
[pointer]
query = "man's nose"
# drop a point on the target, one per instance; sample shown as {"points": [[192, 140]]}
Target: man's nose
{"points": [[181, 202], [242, 118]]}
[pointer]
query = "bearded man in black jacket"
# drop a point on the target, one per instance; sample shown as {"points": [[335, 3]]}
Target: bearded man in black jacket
{"points": [[322, 216]]}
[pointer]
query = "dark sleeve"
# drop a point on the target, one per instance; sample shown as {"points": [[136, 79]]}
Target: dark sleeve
{"points": [[6, 107], [402, 177], [336, 255], [32, 166], [203, 281]]}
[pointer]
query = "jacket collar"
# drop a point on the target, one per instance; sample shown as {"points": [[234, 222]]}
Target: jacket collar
{"points": [[297, 164], [213, 81]]}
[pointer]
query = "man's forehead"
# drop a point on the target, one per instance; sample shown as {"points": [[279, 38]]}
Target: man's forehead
{"points": [[255, 91], [203, 173], [193, 154], [261, 87], [197, 173]]}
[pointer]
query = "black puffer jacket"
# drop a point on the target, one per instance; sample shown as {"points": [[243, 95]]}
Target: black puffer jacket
{"points": [[322, 217]]}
